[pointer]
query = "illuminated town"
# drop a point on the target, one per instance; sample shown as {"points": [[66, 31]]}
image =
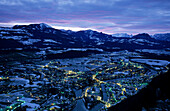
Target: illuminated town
{"points": [[95, 82], [84, 55]]}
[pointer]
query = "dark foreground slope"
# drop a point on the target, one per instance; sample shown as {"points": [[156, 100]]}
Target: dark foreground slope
{"points": [[148, 97]]}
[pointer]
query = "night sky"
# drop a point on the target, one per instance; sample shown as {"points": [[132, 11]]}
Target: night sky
{"points": [[109, 16]]}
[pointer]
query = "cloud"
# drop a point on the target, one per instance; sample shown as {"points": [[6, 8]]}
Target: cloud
{"points": [[104, 15], [65, 2], [10, 3]]}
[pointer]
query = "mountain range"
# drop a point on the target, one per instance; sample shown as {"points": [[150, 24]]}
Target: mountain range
{"points": [[43, 36], [163, 37]]}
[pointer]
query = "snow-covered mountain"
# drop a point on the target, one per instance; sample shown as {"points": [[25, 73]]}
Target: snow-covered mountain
{"points": [[41, 26], [122, 35], [163, 36]]}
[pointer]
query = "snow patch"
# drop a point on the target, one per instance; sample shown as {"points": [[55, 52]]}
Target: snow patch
{"points": [[14, 37], [51, 41], [30, 41], [152, 62]]}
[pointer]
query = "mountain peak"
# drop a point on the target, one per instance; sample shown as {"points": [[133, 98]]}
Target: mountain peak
{"points": [[43, 25], [142, 36], [40, 26]]}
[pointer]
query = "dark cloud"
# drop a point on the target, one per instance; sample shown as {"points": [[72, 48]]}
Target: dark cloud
{"points": [[110, 16]]}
